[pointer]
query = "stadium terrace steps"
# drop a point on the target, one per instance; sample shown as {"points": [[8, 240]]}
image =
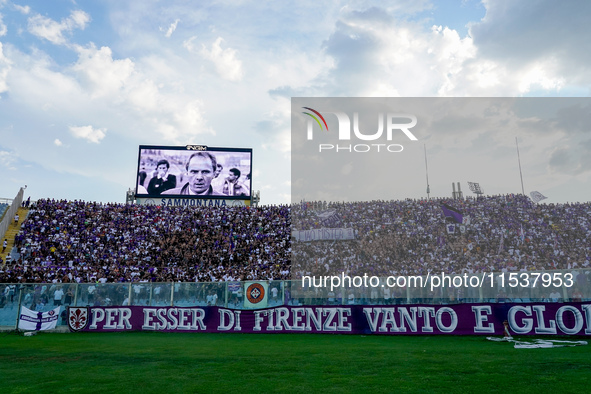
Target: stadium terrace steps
{"points": [[11, 233]]}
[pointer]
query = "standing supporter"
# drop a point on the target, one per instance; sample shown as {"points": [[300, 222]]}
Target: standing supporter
{"points": [[57, 296]]}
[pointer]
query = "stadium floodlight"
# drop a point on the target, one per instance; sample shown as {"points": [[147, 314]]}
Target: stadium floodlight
{"points": [[256, 198], [475, 188], [130, 196], [457, 195]]}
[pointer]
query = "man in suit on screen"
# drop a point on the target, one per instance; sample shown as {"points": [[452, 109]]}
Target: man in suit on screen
{"points": [[161, 180], [200, 168]]}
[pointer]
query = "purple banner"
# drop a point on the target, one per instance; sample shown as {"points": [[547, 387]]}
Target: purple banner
{"points": [[462, 319]]}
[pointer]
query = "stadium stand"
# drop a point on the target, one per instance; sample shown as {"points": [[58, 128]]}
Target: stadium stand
{"points": [[500, 233], [75, 241], [7, 255]]}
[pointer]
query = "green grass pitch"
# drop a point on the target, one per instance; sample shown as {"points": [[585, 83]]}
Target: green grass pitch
{"points": [[307, 363]]}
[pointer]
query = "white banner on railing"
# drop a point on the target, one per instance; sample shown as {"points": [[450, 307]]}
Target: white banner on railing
{"points": [[31, 320], [324, 234]]}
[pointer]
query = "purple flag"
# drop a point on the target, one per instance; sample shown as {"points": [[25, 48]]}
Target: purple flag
{"points": [[453, 213]]}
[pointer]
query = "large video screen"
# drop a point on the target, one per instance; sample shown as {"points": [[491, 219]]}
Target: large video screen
{"points": [[194, 171]]}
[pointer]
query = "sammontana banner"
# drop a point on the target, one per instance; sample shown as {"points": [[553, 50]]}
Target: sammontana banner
{"points": [[463, 319]]}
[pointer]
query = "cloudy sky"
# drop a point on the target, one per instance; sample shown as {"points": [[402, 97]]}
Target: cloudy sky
{"points": [[467, 139], [83, 84]]}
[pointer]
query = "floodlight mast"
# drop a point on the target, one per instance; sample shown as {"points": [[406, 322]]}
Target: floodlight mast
{"points": [[255, 198], [130, 196], [456, 195], [475, 188], [519, 161], [427, 173]]}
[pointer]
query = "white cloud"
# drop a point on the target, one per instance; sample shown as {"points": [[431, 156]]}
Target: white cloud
{"points": [[171, 114], [227, 65], [3, 28], [88, 133], [22, 9], [143, 100], [188, 44], [540, 74], [7, 159], [190, 114], [34, 82], [101, 74], [405, 59], [171, 28], [376, 55], [52, 31], [46, 28], [78, 19], [540, 46], [144, 95], [178, 122], [57, 142], [4, 69]]}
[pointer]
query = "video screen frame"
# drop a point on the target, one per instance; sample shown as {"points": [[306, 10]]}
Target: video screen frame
{"points": [[162, 172]]}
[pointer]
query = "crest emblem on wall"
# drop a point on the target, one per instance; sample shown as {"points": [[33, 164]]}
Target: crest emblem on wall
{"points": [[77, 318]]}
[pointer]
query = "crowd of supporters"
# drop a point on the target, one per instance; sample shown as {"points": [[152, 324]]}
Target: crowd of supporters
{"points": [[75, 241], [410, 237]]}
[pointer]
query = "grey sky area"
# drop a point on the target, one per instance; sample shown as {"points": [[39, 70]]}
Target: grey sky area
{"points": [[466, 140]]}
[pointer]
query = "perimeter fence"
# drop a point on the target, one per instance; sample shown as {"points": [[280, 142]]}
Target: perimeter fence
{"points": [[437, 289]]}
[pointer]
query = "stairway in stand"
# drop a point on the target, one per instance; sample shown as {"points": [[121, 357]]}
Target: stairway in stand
{"points": [[11, 232]]}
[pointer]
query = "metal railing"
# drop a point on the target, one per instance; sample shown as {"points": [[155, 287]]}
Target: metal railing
{"points": [[498, 287]]}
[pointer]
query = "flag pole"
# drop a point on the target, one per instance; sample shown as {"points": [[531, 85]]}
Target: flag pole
{"points": [[427, 172], [519, 161], [18, 315]]}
